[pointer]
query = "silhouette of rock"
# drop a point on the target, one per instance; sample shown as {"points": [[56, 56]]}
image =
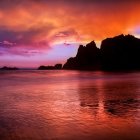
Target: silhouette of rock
{"points": [[56, 67], [87, 58], [45, 68], [120, 53], [9, 68]]}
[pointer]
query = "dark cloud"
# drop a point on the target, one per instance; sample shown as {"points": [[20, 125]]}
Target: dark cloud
{"points": [[20, 38], [6, 49], [6, 4], [24, 42]]}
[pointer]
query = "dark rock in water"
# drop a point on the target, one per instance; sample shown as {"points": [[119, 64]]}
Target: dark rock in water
{"points": [[9, 68], [70, 64], [46, 68], [56, 67], [120, 53], [88, 57]]}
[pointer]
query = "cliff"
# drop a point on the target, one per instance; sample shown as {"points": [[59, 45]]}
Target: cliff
{"points": [[87, 57], [118, 53]]}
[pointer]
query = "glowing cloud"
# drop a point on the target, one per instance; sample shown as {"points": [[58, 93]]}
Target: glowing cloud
{"points": [[35, 27]]}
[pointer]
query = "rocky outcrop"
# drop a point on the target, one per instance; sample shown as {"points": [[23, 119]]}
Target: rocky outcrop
{"points": [[9, 68], [87, 57], [55, 67], [118, 53]]}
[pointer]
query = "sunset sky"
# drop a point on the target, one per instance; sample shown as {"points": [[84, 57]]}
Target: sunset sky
{"points": [[45, 32]]}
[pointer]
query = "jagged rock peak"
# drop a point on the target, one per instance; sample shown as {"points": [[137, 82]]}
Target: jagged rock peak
{"points": [[121, 36], [91, 44]]}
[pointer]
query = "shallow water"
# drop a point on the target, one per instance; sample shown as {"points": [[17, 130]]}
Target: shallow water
{"points": [[69, 105]]}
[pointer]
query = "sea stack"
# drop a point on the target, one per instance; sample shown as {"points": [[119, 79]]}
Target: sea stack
{"points": [[120, 53], [87, 58]]}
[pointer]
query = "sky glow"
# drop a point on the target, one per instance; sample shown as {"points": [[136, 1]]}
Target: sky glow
{"points": [[45, 32]]}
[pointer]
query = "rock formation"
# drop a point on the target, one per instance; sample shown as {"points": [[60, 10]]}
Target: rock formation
{"points": [[87, 57], [118, 53], [55, 67], [9, 68]]}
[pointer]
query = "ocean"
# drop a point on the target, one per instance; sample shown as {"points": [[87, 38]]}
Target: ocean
{"points": [[69, 105]]}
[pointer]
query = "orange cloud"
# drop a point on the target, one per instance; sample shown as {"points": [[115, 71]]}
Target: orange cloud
{"points": [[42, 23]]}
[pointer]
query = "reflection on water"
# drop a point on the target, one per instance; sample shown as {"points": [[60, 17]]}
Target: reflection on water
{"points": [[122, 107], [69, 105]]}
